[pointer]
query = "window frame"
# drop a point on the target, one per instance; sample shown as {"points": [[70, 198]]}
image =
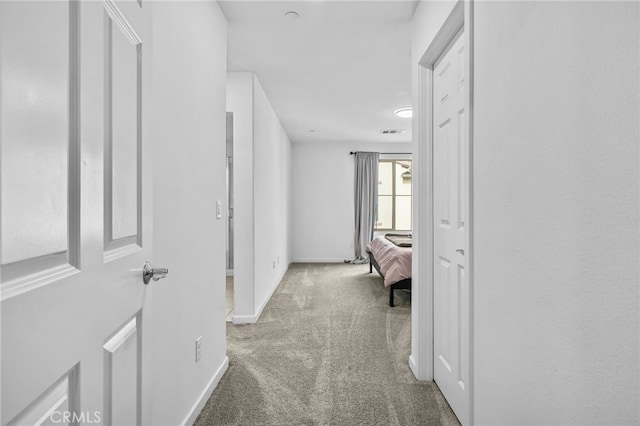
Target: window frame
{"points": [[393, 195]]}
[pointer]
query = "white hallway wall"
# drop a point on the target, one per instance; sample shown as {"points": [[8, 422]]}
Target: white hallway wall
{"points": [[272, 195], [323, 208], [262, 211], [189, 85], [556, 210]]}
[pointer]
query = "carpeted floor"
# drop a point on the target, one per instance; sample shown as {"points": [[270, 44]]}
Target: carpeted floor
{"points": [[327, 350]]}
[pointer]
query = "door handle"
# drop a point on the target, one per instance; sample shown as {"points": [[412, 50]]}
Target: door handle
{"points": [[460, 251], [149, 272]]}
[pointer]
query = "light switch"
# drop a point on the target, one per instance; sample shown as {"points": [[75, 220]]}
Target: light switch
{"points": [[218, 209]]}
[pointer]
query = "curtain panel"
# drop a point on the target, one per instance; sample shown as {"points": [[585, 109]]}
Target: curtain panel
{"points": [[366, 202]]}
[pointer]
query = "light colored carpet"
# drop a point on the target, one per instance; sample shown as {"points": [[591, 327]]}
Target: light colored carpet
{"points": [[328, 350]]}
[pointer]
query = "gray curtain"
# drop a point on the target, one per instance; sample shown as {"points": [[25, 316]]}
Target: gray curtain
{"points": [[366, 202]]}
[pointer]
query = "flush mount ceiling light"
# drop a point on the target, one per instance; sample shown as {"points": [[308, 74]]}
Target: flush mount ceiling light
{"points": [[291, 16], [404, 112]]}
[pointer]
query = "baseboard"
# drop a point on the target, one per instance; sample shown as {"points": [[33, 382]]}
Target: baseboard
{"points": [[244, 319], [206, 394], [422, 376], [413, 367], [321, 260], [273, 290], [252, 319]]}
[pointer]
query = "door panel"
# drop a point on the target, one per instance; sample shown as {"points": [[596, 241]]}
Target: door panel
{"points": [[34, 71], [451, 284], [122, 375], [122, 98], [59, 398], [75, 317]]}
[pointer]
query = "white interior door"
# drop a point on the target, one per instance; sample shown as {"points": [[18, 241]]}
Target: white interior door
{"points": [[451, 246], [76, 212]]}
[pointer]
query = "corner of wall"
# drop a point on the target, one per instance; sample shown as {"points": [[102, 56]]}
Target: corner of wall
{"points": [[186, 238], [262, 176]]}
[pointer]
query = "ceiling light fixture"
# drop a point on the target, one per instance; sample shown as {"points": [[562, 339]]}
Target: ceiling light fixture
{"points": [[291, 16], [404, 112]]}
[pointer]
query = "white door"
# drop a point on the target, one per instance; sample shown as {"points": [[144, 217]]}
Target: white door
{"points": [[451, 283], [76, 212]]}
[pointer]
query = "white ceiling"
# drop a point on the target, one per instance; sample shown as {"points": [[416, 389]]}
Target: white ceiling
{"points": [[340, 69]]}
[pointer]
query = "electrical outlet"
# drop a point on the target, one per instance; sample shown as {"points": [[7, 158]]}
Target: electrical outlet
{"points": [[274, 263], [198, 348]]}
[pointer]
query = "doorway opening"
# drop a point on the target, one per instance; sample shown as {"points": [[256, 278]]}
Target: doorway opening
{"points": [[230, 233]]}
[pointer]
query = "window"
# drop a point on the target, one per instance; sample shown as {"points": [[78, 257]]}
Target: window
{"points": [[394, 195]]}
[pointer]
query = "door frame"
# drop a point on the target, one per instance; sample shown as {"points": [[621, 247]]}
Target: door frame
{"points": [[230, 190], [422, 358]]}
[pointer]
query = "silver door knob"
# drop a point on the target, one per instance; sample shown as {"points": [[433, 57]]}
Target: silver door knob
{"points": [[149, 272], [460, 251]]}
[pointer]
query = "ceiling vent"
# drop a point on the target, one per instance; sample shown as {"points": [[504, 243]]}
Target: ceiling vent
{"points": [[393, 131]]}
